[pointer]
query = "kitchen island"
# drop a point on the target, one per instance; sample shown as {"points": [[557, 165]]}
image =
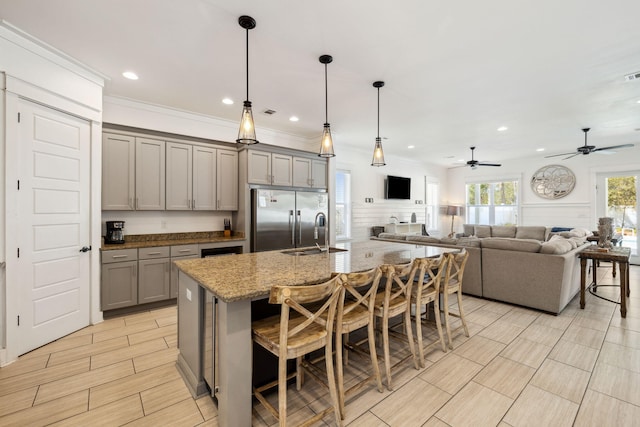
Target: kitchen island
{"points": [[215, 298]]}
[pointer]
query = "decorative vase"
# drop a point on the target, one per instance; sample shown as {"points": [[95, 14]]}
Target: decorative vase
{"points": [[605, 232]]}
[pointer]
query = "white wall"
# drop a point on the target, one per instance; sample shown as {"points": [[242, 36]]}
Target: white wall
{"points": [[152, 222], [368, 182], [574, 210]]}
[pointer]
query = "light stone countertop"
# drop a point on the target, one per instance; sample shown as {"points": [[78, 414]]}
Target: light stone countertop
{"points": [[249, 276], [172, 239]]}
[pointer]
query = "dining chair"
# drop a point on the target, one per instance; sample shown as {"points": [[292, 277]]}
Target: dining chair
{"points": [[393, 301], [305, 324], [356, 312], [426, 290], [452, 284]]}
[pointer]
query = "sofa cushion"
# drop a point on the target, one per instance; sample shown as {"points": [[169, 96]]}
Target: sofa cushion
{"points": [[503, 231], [423, 239], [482, 231], [471, 241], [392, 236], [531, 232], [468, 229], [556, 247], [521, 245], [450, 240]]}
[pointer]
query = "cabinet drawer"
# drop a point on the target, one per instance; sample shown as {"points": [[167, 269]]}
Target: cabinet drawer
{"points": [[152, 253], [184, 250], [119, 255]]}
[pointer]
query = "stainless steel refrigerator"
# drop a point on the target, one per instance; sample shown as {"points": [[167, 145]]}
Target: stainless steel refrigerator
{"points": [[282, 219]]}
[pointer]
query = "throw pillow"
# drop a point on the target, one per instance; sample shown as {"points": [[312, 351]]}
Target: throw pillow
{"points": [[555, 247]]}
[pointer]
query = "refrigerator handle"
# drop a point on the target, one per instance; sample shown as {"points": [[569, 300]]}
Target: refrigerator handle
{"points": [[292, 228], [299, 221]]}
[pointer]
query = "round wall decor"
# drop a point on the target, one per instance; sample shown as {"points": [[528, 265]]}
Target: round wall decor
{"points": [[553, 181]]}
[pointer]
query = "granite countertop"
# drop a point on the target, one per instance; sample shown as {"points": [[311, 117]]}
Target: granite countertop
{"points": [[135, 241], [251, 275]]}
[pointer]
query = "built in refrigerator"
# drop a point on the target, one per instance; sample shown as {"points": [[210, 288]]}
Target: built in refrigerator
{"points": [[283, 219]]}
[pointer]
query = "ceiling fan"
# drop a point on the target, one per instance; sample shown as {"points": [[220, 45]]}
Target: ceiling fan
{"points": [[475, 163], [588, 149]]}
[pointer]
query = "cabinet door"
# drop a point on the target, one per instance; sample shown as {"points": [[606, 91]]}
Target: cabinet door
{"points": [[174, 274], [259, 167], [119, 285], [204, 178], [150, 174], [179, 174], [154, 280], [301, 172], [319, 173], [118, 172], [282, 169], [227, 180]]}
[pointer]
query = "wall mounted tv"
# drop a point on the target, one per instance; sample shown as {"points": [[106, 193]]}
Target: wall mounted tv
{"points": [[397, 187]]}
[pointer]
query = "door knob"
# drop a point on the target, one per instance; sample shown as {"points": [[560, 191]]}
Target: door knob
{"points": [[85, 249]]}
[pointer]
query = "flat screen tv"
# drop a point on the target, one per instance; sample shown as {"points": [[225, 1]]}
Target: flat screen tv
{"points": [[397, 187]]}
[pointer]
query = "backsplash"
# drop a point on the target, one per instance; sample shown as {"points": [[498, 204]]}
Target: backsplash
{"points": [[154, 222]]}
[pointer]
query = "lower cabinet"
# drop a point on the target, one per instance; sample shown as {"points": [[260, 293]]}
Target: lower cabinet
{"points": [[119, 287], [179, 253], [154, 275]]}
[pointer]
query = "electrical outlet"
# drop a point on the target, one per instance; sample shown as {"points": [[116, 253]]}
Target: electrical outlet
{"points": [[188, 294], [368, 199], [418, 202]]}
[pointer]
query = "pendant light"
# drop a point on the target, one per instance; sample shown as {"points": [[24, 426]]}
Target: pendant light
{"points": [[326, 144], [247, 132], [378, 154]]}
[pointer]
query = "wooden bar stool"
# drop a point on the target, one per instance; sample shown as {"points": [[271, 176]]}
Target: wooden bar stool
{"points": [[394, 300], [426, 290], [452, 284], [305, 324], [356, 313]]}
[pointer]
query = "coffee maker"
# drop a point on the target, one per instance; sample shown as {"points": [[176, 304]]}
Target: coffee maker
{"points": [[115, 232]]}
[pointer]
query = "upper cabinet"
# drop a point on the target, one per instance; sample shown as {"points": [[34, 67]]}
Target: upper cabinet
{"points": [[268, 168], [118, 172], [148, 174], [227, 180], [310, 173]]}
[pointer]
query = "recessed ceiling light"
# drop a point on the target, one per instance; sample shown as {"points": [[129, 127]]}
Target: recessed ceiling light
{"points": [[227, 101], [638, 101], [293, 119], [130, 75], [539, 149], [411, 146], [502, 128]]}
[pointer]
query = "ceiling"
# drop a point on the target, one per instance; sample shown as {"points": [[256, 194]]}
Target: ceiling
{"points": [[453, 75]]}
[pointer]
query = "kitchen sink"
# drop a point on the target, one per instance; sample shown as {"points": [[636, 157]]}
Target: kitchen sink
{"points": [[312, 251]]}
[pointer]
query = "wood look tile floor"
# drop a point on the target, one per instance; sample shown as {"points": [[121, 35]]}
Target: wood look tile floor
{"points": [[519, 367]]}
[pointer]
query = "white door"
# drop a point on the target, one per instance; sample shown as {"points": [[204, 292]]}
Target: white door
{"points": [[618, 197], [54, 219]]}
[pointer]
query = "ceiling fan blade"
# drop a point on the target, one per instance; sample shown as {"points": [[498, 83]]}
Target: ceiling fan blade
{"points": [[613, 147], [558, 155], [572, 155], [488, 164]]}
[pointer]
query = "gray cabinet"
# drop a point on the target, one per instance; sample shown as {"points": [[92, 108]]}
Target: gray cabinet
{"points": [[269, 168], [119, 286], [150, 174], [154, 277], [178, 253], [179, 171], [205, 166], [309, 173], [227, 180], [118, 172]]}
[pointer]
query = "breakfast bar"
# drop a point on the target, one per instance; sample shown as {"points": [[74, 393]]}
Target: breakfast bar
{"points": [[215, 309]]}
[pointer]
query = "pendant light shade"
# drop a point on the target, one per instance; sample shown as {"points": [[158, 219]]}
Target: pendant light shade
{"points": [[378, 154], [326, 144], [247, 132]]}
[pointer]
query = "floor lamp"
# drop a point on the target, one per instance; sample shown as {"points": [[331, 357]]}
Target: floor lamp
{"points": [[453, 211]]}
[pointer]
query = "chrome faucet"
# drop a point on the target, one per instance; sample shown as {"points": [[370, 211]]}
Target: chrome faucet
{"points": [[316, 224]]}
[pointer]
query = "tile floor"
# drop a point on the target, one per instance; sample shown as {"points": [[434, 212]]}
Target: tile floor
{"points": [[519, 368]]}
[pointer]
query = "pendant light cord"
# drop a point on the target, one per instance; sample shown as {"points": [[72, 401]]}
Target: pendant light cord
{"points": [[247, 64], [326, 96], [378, 112]]}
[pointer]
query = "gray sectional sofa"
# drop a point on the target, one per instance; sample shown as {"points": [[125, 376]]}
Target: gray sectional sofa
{"points": [[531, 266]]}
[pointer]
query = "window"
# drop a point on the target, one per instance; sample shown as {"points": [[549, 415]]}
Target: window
{"points": [[343, 204], [492, 203], [431, 208]]}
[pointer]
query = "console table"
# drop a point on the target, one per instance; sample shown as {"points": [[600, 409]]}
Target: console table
{"points": [[617, 255], [404, 228]]}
